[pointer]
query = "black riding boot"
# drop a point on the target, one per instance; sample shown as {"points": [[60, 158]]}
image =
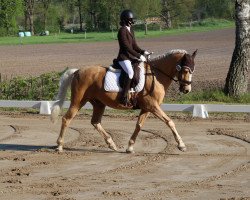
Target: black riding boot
{"points": [[124, 97]]}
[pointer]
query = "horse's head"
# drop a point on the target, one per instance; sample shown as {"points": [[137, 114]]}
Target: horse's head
{"points": [[185, 70]]}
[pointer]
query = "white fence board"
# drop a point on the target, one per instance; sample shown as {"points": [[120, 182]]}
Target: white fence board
{"points": [[198, 110]]}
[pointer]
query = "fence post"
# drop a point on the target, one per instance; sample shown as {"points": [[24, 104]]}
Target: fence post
{"points": [[45, 108], [199, 110]]}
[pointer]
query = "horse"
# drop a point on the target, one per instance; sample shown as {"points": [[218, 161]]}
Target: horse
{"points": [[87, 86]]}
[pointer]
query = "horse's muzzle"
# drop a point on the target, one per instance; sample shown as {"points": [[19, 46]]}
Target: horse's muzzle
{"points": [[185, 89]]}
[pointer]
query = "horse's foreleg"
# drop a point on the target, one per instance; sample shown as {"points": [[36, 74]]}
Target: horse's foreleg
{"points": [[161, 115], [70, 114], [141, 119], [98, 110]]}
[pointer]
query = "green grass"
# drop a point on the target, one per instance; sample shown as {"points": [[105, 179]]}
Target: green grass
{"points": [[210, 24], [210, 97]]}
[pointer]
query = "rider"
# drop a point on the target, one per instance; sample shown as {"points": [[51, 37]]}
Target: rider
{"points": [[129, 50]]}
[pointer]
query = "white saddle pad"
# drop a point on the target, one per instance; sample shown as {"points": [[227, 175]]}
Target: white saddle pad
{"points": [[111, 80]]}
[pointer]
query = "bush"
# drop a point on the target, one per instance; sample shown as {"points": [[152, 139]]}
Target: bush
{"points": [[43, 87], [211, 22]]}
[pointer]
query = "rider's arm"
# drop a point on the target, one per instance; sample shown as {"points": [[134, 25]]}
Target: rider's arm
{"points": [[125, 43], [135, 45]]}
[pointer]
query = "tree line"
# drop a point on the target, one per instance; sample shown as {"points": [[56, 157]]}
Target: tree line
{"points": [[37, 16]]}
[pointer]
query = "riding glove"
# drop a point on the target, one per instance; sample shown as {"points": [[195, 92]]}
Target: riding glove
{"points": [[142, 58], [147, 54]]}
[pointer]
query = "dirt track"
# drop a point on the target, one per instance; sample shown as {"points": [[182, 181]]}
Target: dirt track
{"points": [[216, 165], [212, 62]]}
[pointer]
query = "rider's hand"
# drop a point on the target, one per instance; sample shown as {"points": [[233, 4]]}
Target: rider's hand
{"points": [[142, 58], [147, 54]]}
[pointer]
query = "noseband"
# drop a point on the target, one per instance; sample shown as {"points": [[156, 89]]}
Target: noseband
{"points": [[180, 68]]}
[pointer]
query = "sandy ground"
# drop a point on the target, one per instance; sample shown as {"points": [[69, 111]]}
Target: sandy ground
{"points": [[216, 165]]}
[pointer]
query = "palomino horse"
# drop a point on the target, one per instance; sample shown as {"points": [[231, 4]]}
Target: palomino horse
{"points": [[87, 86]]}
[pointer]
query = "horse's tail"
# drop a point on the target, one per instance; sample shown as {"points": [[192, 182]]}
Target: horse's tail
{"points": [[64, 84]]}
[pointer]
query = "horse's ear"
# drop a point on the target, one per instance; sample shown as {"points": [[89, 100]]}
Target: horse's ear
{"points": [[194, 54]]}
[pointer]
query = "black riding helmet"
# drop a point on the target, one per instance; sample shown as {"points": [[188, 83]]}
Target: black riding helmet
{"points": [[127, 17]]}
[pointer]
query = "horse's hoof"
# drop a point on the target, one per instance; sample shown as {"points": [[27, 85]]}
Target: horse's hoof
{"points": [[130, 151], [113, 147], [111, 144], [59, 149], [183, 149]]}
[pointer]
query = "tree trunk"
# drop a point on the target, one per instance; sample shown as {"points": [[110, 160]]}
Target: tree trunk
{"points": [[31, 22], [168, 20], [80, 14], [146, 27], [237, 77], [29, 10], [25, 20], [46, 4], [166, 13]]}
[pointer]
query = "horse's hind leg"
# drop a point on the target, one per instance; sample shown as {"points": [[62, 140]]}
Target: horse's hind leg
{"points": [[77, 101], [141, 119], [66, 119], [161, 115], [98, 110]]}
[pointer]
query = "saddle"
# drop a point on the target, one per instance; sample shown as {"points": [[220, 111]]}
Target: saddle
{"points": [[124, 75]]}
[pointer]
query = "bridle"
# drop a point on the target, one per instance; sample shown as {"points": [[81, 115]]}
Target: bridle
{"points": [[179, 68]]}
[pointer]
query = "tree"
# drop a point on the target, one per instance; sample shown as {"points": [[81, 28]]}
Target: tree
{"points": [[150, 9], [49, 15], [29, 15], [213, 8], [237, 77], [103, 14], [9, 10], [175, 11], [46, 4], [165, 14], [113, 9], [79, 4]]}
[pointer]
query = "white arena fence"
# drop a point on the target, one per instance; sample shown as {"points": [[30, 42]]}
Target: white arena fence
{"points": [[198, 110]]}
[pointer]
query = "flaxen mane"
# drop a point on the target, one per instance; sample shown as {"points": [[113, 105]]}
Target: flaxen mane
{"points": [[166, 55]]}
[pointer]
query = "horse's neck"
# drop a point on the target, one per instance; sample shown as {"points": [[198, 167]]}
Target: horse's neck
{"points": [[163, 63], [164, 69]]}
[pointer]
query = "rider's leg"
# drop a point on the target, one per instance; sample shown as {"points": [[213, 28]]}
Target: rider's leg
{"points": [[127, 67]]}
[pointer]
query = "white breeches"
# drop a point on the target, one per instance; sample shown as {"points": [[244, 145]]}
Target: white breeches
{"points": [[127, 67]]}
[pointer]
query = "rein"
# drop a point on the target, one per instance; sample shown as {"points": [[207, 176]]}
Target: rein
{"points": [[152, 68], [175, 80], [153, 81], [179, 68]]}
